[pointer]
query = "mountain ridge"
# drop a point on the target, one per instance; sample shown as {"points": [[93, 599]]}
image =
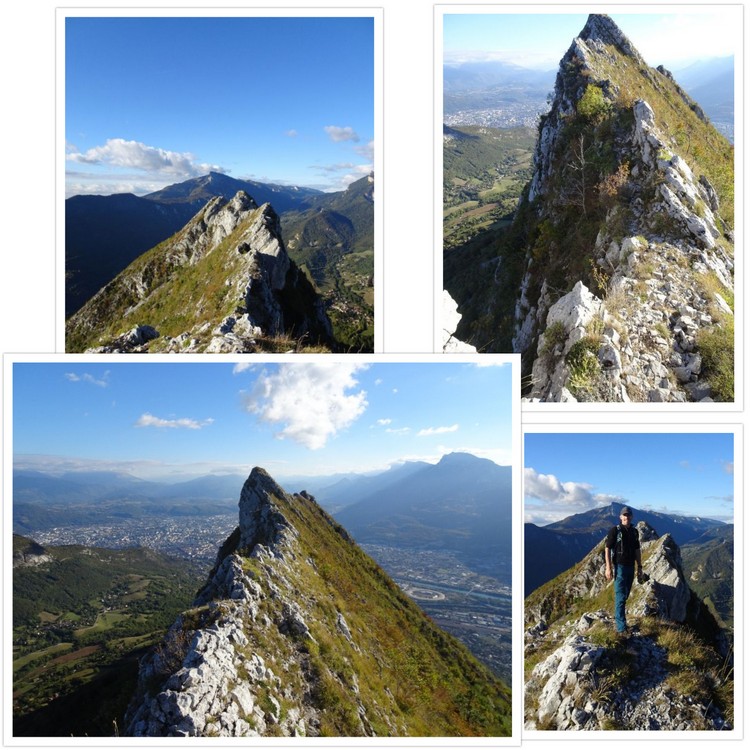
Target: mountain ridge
{"points": [[128, 225], [297, 632], [622, 243], [553, 548], [217, 285]]}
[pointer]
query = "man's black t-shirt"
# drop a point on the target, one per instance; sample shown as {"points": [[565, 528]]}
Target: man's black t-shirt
{"points": [[624, 552]]}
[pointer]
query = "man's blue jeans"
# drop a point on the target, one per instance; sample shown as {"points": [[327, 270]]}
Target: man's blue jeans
{"points": [[624, 575]]}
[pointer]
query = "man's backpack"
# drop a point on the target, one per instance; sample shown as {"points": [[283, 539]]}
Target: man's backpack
{"points": [[617, 549]]}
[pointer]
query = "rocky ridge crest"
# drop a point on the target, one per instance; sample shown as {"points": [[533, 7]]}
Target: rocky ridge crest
{"points": [[584, 678], [286, 639], [218, 285], [630, 262]]}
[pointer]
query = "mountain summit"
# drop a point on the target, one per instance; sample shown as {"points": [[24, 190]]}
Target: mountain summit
{"points": [[221, 284], [673, 671], [298, 633], [622, 244]]}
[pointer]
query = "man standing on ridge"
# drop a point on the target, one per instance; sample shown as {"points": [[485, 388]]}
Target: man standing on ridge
{"points": [[622, 555]]}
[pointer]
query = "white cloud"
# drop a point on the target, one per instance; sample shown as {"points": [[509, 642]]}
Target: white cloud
{"points": [[547, 499], [149, 420], [117, 152], [311, 400], [366, 151], [291, 133], [398, 430], [241, 367], [728, 467], [437, 430], [341, 175], [489, 362], [340, 167], [338, 134], [102, 382], [382, 422]]}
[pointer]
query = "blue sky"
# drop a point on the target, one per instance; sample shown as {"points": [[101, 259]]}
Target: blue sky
{"points": [[684, 473], [164, 420], [540, 40], [154, 101]]}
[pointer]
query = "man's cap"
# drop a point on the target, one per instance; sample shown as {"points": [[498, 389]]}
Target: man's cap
{"points": [[626, 511]]}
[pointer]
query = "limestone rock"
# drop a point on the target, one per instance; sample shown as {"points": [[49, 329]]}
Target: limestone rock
{"points": [[450, 320], [663, 232], [581, 683]]}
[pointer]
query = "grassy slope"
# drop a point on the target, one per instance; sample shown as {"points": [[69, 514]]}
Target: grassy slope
{"points": [[403, 661], [182, 296]]}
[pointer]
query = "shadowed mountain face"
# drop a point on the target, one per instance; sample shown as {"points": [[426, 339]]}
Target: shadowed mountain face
{"points": [[298, 633], [673, 670]]}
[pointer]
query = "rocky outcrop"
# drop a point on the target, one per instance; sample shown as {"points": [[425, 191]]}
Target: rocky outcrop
{"points": [[586, 678], [639, 257], [28, 553], [298, 633], [450, 320], [577, 687], [218, 285]]}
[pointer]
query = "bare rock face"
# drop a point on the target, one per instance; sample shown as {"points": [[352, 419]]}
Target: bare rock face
{"points": [[32, 554]]}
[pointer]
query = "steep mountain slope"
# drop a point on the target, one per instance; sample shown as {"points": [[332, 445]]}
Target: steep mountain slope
{"points": [[674, 671], [553, 548], [104, 233], [709, 565], [224, 283], [462, 503], [298, 632], [622, 244]]}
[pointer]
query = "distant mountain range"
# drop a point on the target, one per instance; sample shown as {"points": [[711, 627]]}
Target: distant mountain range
{"points": [[551, 549], [461, 504], [711, 84]]}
